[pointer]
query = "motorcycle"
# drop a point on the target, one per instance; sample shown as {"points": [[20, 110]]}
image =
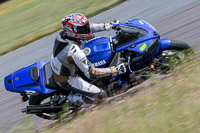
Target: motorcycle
{"points": [[136, 42]]}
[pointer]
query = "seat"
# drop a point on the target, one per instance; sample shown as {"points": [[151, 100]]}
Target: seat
{"points": [[49, 79]]}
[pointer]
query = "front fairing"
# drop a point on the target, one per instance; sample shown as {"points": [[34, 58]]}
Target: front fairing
{"points": [[146, 44], [139, 43]]}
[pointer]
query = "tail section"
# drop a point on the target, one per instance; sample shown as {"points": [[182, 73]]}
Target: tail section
{"points": [[30, 79]]}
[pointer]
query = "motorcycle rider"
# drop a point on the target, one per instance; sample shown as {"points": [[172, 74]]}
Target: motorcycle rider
{"points": [[68, 57]]}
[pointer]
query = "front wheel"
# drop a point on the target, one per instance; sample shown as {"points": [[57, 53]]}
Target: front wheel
{"points": [[178, 45], [176, 54], [178, 51]]}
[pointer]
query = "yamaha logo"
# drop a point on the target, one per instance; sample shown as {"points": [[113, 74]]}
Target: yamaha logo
{"points": [[102, 62]]}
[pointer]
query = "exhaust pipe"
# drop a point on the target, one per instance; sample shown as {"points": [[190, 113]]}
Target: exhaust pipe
{"points": [[38, 109]]}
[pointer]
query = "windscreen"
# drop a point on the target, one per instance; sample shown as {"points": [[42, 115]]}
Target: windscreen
{"points": [[129, 33]]}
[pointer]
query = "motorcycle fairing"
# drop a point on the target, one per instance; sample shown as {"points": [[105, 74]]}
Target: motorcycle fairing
{"points": [[22, 82], [152, 34]]}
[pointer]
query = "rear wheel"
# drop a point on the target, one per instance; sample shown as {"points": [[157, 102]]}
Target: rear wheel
{"points": [[47, 100]]}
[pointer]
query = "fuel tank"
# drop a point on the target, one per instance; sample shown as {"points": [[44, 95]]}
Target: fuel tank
{"points": [[98, 51]]}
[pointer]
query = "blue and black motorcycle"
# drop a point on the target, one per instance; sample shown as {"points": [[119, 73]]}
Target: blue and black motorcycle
{"points": [[136, 42]]}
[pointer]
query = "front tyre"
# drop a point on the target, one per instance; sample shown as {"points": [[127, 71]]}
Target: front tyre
{"points": [[176, 54], [178, 45]]}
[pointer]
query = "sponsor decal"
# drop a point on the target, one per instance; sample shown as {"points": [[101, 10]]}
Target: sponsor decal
{"points": [[143, 47], [74, 51], [83, 60], [88, 63], [72, 47], [89, 87], [102, 62]]}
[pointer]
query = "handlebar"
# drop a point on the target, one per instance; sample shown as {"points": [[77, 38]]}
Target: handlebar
{"points": [[126, 29]]}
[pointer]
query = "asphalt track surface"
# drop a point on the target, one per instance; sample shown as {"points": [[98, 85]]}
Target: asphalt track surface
{"points": [[176, 19]]}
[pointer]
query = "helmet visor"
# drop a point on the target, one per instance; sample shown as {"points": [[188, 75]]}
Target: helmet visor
{"points": [[82, 29]]}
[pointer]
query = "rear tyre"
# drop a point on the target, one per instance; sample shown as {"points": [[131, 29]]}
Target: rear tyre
{"points": [[46, 99], [37, 100]]}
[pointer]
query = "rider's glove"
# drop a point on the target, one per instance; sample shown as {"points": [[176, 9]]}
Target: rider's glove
{"points": [[109, 25], [120, 69]]}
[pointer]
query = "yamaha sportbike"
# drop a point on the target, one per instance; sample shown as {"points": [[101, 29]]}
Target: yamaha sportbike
{"points": [[136, 42]]}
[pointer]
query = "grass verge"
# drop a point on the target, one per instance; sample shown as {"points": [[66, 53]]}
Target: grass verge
{"points": [[23, 22]]}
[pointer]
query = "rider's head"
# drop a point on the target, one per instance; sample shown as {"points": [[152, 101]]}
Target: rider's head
{"points": [[76, 25]]}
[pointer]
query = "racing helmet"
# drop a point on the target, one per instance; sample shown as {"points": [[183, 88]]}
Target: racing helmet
{"points": [[76, 25]]}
